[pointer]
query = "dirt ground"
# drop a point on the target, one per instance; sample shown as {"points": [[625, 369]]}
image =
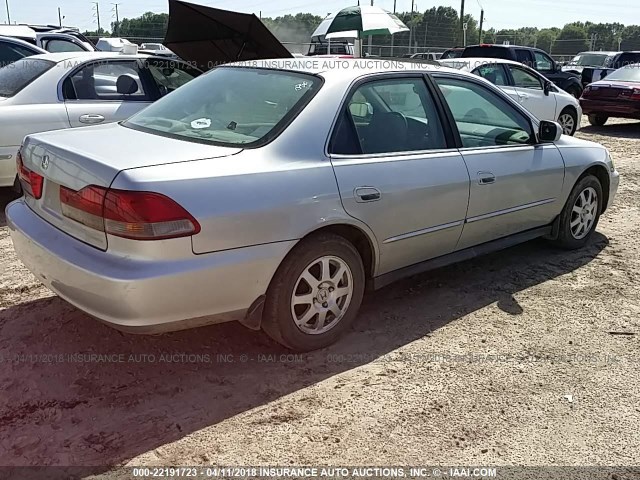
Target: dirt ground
{"points": [[528, 356]]}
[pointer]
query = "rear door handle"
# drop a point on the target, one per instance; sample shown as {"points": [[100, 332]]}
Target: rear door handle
{"points": [[486, 178], [91, 118], [367, 194]]}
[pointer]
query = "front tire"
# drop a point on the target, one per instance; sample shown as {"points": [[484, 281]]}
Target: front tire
{"points": [[597, 120], [568, 119], [315, 294], [580, 215]]}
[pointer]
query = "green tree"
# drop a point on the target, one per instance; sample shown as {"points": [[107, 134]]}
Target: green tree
{"points": [[572, 39]]}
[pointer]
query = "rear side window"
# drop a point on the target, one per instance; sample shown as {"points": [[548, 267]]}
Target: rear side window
{"points": [[487, 52], [494, 73], [387, 116], [524, 79], [524, 56], [18, 75]]}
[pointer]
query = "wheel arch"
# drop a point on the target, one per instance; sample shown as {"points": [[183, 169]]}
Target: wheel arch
{"points": [[601, 173]]}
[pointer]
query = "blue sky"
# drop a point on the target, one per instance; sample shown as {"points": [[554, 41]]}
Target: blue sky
{"points": [[498, 13]]}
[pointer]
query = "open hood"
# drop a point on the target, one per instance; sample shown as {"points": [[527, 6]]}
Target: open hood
{"points": [[210, 36]]}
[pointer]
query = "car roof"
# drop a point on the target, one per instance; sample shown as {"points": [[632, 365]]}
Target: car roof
{"points": [[22, 43], [477, 61], [82, 56], [17, 31], [337, 67]]}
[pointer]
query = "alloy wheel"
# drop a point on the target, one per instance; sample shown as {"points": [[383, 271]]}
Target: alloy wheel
{"points": [[322, 295], [567, 123], [584, 213]]}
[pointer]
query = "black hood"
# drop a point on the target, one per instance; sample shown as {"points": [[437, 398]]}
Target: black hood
{"points": [[209, 36]]}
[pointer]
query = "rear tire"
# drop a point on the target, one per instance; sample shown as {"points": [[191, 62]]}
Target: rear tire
{"points": [[568, 118], [580, 215], [315, 294], [574, 91], [597, 120]]}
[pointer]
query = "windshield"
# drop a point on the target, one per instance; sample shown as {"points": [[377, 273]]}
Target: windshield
{"points": [[16, 76], [229, 106], [589, 60], [630, 73]]}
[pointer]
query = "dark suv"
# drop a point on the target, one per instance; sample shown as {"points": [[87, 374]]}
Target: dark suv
{"points": [[532, 57]]}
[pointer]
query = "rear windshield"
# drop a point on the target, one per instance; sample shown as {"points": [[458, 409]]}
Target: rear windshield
{"points": [[229, 106], [626, 58], [630, 73], [487, 52], [18, 75], [589, 60]]}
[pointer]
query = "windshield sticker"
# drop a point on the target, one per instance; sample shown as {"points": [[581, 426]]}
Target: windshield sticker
{"points": [[201, 123], [302, 85]]}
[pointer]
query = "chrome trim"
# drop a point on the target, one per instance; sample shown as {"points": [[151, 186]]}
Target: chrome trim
{"points": [[437, 228], [510, 210]]}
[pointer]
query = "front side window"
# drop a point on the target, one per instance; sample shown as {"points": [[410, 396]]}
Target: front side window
{"points": [[57, 45], [18, 75], [543, 62], [524, 79], [483, 118], [119, 80], [170, 75], [494, 73], [387, 116], [230, 106]]}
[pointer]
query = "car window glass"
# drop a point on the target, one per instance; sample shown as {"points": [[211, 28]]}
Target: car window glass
{"points": [[17, 76], [493, 73], [523, 56], [57, 45], [483, 118], [10, 53], [543, 62], [524, 79], [170, 75], [392, 116], [106, 81]]}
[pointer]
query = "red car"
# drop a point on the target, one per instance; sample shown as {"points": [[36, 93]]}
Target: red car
{"points": [[618, 95]]}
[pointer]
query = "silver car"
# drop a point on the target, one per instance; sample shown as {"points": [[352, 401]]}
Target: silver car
{"points": [[273, 193]]}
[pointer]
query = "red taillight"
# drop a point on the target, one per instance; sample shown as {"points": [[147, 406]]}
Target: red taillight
{"points": [[31, 181], [635, 95], [128, 214]]}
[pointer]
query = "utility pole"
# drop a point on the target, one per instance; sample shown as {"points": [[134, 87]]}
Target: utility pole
{"points": [[461, 18], [8, 16], [117, 25], [98, 15], [481, 21], [59, 17]]}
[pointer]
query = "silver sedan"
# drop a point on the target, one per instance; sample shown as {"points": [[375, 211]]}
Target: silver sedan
{"points": [[274, 193]]}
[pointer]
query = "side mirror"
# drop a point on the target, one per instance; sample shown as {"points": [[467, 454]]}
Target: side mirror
{"points": [[547, 88], [549, 131]]}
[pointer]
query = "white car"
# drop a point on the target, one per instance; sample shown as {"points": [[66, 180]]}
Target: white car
{"points": [[51, 40], [61, 90], [532, 90]]}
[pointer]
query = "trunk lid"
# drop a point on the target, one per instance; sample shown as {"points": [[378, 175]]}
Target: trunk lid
{"points": [[610, 89], [94, 156]]}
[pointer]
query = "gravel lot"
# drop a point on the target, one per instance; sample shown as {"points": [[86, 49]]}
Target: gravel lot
{"points": [[410, 385]]}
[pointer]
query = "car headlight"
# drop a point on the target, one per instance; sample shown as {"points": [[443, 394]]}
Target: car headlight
{"points": [[612, 166]]}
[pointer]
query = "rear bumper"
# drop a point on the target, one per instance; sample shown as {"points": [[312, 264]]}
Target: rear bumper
{"points": [[143, 296], [8, 165], [610, 108]]}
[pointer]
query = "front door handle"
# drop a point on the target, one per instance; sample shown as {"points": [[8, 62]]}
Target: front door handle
{"points": [[91, 118], [367, 194], [486, 178]]}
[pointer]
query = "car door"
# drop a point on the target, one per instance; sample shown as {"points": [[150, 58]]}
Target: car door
{"points": [[516, 183], [93, 93], [528, 88], [398, 170], [60, 42]]}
